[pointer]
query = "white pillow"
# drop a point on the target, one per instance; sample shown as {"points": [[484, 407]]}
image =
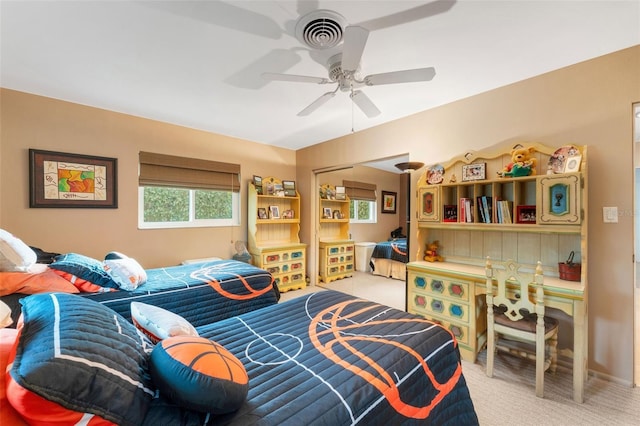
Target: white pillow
{"points": [[5, 315], [126, 272], [158, 323], [15, 255]]}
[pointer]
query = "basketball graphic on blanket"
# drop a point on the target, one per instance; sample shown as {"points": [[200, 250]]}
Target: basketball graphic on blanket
{"points": [[199, 374]]}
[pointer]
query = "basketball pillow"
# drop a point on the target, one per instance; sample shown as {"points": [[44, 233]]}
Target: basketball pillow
{"points": [[199, 374]]}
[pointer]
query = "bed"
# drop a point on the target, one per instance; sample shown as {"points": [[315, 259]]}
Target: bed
{"points": [[326, 358], [205, 292], [389, 258]]}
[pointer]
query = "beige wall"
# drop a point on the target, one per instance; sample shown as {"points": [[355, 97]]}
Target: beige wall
{"points": [[587, 104], [35, 122]]}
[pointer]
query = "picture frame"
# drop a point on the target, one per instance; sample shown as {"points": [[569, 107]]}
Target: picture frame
{"points": [[288, 214], [341, 193], [326, 213], [475, 171], [274, 212], [262, 213], [450, 213], [337, 214], [388, 202], [572, 164], [257, 183], [66, 180], [289, 187], [526, 214]]}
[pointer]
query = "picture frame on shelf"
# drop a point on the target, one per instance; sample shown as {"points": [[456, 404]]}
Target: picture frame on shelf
{"points": [[257, 183], [288, 214], [389, 202], [572, 164], [278, 190], [262, 213], [450, 213], [475, 171], [341, 194], [337, 214], [326, 213], [50, 176], [289, 187], [526, 214], [274, 212]]}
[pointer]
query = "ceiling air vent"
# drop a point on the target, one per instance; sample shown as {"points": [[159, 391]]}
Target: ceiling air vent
{"points": [[320, 29]]}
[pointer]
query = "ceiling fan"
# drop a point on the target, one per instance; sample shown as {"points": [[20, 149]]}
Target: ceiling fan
{"points": [[323, 29]]}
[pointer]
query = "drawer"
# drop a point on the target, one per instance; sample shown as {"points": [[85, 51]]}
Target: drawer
{"points": [[339, 249], [460, 331], [271, 258], [446, 287], [433, 304], [341, 258]]}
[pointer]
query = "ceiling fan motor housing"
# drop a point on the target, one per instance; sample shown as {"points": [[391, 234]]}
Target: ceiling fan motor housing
{"points": [[320, 29]]}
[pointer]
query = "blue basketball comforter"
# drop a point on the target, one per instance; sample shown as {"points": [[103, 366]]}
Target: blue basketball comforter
{"points": [[201, 292], [332, 359]]}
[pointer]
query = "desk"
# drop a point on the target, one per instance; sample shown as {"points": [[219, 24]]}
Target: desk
{"points": [[453, 294]]}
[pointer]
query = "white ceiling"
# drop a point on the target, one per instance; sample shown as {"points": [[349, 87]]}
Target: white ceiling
{"points": [[198, 63]]}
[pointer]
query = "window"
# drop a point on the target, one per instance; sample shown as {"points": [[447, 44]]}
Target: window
{"points": [[177, 192], [163, 207], [362, 205], [362, 211]]}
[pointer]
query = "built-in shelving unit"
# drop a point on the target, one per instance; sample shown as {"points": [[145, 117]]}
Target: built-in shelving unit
{"points": [[541, 216], [273, 229], [337, 256]]}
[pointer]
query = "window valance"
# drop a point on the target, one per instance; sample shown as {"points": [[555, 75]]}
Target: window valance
{"points": [[183, 172], [360, 190]]}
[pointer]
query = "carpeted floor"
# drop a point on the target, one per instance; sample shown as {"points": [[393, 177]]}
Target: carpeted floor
{"points": [[509, 397]]}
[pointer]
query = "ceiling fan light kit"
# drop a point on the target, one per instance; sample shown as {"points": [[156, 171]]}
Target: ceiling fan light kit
{"points": [[323, 29]]}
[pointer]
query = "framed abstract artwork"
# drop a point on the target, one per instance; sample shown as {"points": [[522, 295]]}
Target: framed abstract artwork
{"points": [[58, 179]]}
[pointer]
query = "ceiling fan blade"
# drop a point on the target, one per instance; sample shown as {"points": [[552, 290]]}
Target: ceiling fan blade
{"points": [[272, 76], [355, 39], [316, 104], [409, 15], [364, 103], [406, 76]]}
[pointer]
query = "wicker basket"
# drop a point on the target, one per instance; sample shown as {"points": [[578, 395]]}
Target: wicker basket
{"points": [[569, 270]]}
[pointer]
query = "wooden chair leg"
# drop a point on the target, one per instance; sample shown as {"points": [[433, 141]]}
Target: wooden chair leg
{"points": [[553, 353], [491, 351], [540, 360]]}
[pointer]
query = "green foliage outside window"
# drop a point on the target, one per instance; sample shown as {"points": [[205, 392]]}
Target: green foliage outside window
{"points": [[173, 204]]}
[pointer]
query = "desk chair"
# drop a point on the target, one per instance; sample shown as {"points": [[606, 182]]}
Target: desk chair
{"points": [[516, 317]]}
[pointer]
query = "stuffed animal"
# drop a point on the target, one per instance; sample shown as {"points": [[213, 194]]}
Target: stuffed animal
{"points": [[431, 253], [522, 163]]}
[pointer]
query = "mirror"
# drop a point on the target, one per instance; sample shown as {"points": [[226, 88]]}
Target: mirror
{"points": [[386, 177]]}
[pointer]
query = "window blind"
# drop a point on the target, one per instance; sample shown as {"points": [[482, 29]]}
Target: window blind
{"points": [[360, 190], [183, 172]]}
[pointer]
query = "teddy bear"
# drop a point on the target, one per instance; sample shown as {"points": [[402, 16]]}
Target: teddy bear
{"points": [[431, 253], [522, 163]]}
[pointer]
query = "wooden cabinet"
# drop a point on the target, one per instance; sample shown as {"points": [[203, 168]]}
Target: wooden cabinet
{"points": [[274, 241], [541, 217], [451, 300], [336, 260], [336, 252]]}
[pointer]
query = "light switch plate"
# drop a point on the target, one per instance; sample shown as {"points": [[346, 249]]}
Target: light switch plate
{"points": [[610, 214]]}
